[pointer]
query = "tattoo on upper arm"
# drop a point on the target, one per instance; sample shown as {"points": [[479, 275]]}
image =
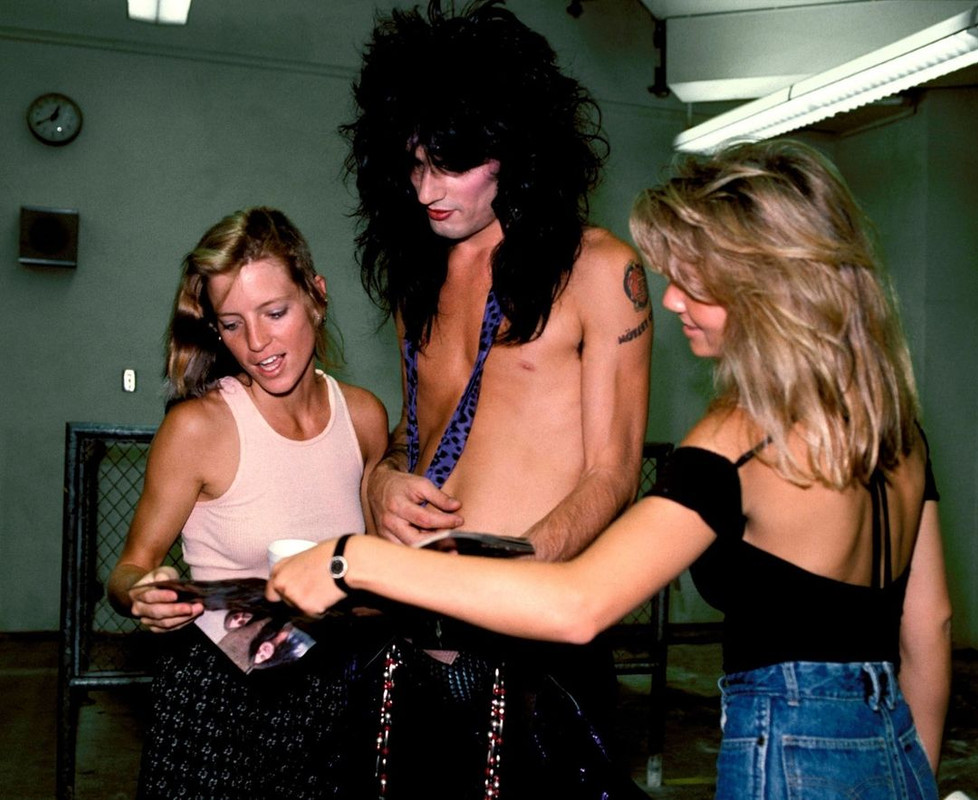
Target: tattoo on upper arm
{"points": [[634, 333], [636, 288]]}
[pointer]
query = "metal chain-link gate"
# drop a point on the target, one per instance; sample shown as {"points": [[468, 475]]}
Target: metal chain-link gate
{"points": [[100, 648]]}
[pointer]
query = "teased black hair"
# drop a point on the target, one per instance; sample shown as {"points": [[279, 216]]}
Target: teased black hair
{"points": [[470, 87]]}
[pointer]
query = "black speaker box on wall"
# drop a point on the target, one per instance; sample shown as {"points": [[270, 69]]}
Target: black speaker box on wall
{"points": [[48, 237]]}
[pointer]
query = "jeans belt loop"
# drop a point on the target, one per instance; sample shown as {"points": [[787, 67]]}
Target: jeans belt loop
{"points": [[791, 683], [873, 689], [891, 685]]}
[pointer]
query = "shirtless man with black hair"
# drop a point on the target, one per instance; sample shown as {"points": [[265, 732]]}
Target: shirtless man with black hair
{"points": [[526, 333]]}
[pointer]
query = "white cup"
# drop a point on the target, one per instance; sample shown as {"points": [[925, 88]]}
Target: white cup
{"points": [[282, 548]]}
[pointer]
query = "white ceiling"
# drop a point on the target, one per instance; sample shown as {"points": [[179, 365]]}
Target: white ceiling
{"points": [[664, 9], [742, 49]]}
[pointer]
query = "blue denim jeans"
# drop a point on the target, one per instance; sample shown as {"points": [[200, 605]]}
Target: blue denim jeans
{"points": [[817, 731]]}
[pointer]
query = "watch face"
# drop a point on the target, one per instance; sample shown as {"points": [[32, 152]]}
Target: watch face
{"points": [[54, 118], [337, 567]]}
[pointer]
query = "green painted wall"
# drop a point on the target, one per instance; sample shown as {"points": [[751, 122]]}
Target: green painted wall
{"points": [[916, 178], [184, 125]]}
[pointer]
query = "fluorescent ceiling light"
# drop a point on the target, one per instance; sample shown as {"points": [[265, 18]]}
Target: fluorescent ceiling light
{"points": [[162, 12], [922, 56]]}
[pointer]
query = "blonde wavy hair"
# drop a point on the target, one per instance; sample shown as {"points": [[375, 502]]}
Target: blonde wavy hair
{"points": [[196, 355], [812, 345]]}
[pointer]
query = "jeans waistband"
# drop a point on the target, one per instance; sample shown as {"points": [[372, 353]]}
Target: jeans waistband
{"points": [[874, 682]]}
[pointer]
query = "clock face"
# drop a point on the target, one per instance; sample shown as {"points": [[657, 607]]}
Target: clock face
{"points": [[54, 118]]}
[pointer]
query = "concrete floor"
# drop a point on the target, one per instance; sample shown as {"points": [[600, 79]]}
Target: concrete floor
{"points": [[111, 724]]}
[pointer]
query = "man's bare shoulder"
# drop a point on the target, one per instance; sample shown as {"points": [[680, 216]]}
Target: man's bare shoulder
{"points": [[605, 263], [608, 284], [601, 249]]}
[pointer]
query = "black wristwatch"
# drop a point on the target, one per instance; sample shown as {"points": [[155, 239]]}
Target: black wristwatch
{"points": [[338, 565]]}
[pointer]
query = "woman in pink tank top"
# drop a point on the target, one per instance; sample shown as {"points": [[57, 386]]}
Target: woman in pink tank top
{"points": [[256, 445]]}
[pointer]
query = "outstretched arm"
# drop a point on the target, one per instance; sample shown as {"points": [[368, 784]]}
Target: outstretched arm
{"points": [[616, 316], [925, 636], [643, 550]]}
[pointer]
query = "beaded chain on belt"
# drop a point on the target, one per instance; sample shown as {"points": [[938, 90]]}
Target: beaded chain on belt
{"points": [[497, 716], [392, 660]]}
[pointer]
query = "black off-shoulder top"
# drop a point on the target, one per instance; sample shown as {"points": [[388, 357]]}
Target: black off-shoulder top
{"points": [[775, 611]]}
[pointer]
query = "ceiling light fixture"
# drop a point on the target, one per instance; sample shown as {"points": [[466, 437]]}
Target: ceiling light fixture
{"points": [[161, 12], [922, 56]]}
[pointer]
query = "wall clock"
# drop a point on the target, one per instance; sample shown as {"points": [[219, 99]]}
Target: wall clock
{"points": [[54, 118]]}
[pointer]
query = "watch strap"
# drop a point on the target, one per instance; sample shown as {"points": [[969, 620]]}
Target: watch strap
{"points": [[338, 564]]}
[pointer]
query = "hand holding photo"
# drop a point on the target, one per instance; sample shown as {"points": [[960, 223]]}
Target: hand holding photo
{"points": [[241, 594]]}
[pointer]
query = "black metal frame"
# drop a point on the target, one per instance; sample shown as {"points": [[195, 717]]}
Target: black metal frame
{"points": [[99, 649]]}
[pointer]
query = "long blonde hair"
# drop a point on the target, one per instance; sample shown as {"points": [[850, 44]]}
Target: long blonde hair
{"points": [[196, 356], [812, 344]]}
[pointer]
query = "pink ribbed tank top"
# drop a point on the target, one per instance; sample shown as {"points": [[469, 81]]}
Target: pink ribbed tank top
{"points": [[284, 489]]}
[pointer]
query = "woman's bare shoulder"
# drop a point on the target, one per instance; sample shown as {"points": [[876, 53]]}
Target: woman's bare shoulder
{"points": [[360, 399], [369, 416], [728, 431], [198, 422]]}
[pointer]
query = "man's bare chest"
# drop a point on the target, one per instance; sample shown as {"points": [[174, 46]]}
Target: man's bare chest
{"points": [[512, 377]]}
